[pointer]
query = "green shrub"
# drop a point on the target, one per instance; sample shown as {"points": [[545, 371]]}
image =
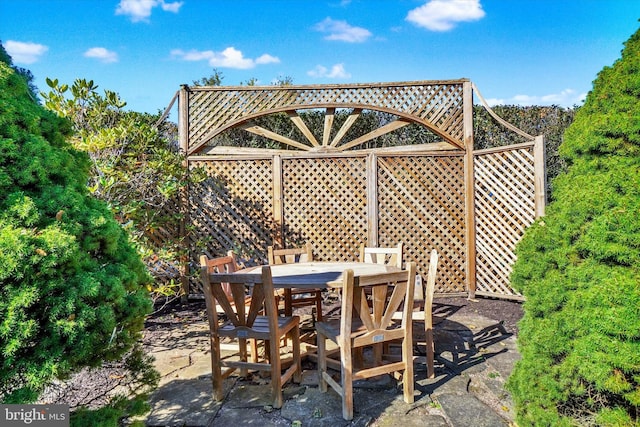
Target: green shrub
{"points": [[551, 121], [136, 168], [72, 288], [579, 268]]}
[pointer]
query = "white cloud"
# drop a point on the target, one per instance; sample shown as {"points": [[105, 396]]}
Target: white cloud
{"points": [[336, 72], [228, 58], [171, 7], [140, 10], [267, 59], [565, 98], [192, 55], [24, 53], [342, 31], [443, 15], [102, 54]]}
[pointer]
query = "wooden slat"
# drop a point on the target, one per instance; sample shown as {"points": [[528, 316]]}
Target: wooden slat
{"points": [[259, 130], [300, 124], [390, 127], [328, 124], [346, 126]]}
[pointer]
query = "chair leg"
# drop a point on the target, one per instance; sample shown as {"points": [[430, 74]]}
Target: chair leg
{"points": [[297, 376], [242, 345], [407, 380], [347, 383], [430, 353], [254, 350], [216, 369], [319, 306], [322, 362], [288, 303], [276, 373]]}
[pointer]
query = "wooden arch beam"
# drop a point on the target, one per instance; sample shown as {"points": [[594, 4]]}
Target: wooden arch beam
{"points": [[403, 120]]}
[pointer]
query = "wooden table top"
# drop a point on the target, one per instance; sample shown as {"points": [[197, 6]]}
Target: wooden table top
{"points": [[318, 274]]}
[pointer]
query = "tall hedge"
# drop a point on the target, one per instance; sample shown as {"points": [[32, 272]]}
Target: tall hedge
{"points": [[72, 289], [579, 268]]}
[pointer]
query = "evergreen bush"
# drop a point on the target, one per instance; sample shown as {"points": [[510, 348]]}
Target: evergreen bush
{"points": [[72, 288], [579, 269]]}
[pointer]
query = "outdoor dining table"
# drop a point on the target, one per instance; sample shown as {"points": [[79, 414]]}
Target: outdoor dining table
{"points": [[317, 274]]}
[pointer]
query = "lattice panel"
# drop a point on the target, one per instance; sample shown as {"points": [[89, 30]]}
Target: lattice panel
{"points": [[162, 270], [436, 103], [421, 203], [231, 210], [505, 207], [325, 202]]}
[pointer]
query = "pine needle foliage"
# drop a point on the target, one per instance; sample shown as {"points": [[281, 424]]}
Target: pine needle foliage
{"points": [[579, 269], [72, 288]]}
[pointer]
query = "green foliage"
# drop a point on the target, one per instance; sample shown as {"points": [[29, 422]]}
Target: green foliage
{"points": [[72, 288], [579, 268], [552, 122], [141, 379], [215, 79], [26, 74], [136, 168]]}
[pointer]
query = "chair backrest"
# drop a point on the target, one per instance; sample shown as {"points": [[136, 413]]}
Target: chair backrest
{"points": [[430, 286], [225, 264], [389, 292], [290, 255], [235, 310], [389, 256]]}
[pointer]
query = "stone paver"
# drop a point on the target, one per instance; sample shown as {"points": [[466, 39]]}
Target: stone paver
{"points": [[474, 358]]}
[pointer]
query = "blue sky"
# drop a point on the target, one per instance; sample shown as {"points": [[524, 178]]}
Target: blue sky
{"points": [[527, 52]]}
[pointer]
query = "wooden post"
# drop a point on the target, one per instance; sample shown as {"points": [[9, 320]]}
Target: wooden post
{"points": [[540, 175], [469, 190], [278, 207], [183, 138], [372, 200]]}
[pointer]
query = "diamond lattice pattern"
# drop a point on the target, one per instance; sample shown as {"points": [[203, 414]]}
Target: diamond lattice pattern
{"points": [[505, 207]]}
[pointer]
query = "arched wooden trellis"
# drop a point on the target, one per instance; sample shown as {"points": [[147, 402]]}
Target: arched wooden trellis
{"points": [[322, 188]]}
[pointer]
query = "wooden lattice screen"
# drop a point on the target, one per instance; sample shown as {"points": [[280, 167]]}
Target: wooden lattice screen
{"points": [[324, 201], [472, 207], [437, 105], [505, 207]]}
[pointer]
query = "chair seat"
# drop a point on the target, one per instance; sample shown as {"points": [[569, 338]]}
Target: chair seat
{"points": [[260, 327], [331, 329]]}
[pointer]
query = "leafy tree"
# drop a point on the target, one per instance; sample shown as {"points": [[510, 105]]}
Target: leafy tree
{"points": [[72, 288], [250, 82], [26, 74], [550, 121], [579, 268], [215, 79], [136, 167]]}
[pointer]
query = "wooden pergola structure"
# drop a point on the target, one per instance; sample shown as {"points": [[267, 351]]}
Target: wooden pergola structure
{"points": [[472, 206]]}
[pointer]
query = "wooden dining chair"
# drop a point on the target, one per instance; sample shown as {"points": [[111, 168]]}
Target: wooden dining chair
{"points": [[225, 264], [242, 324], [423, 311], [361, 325], [380, 255], [385, 255], [296, 297], [228, 264]]}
